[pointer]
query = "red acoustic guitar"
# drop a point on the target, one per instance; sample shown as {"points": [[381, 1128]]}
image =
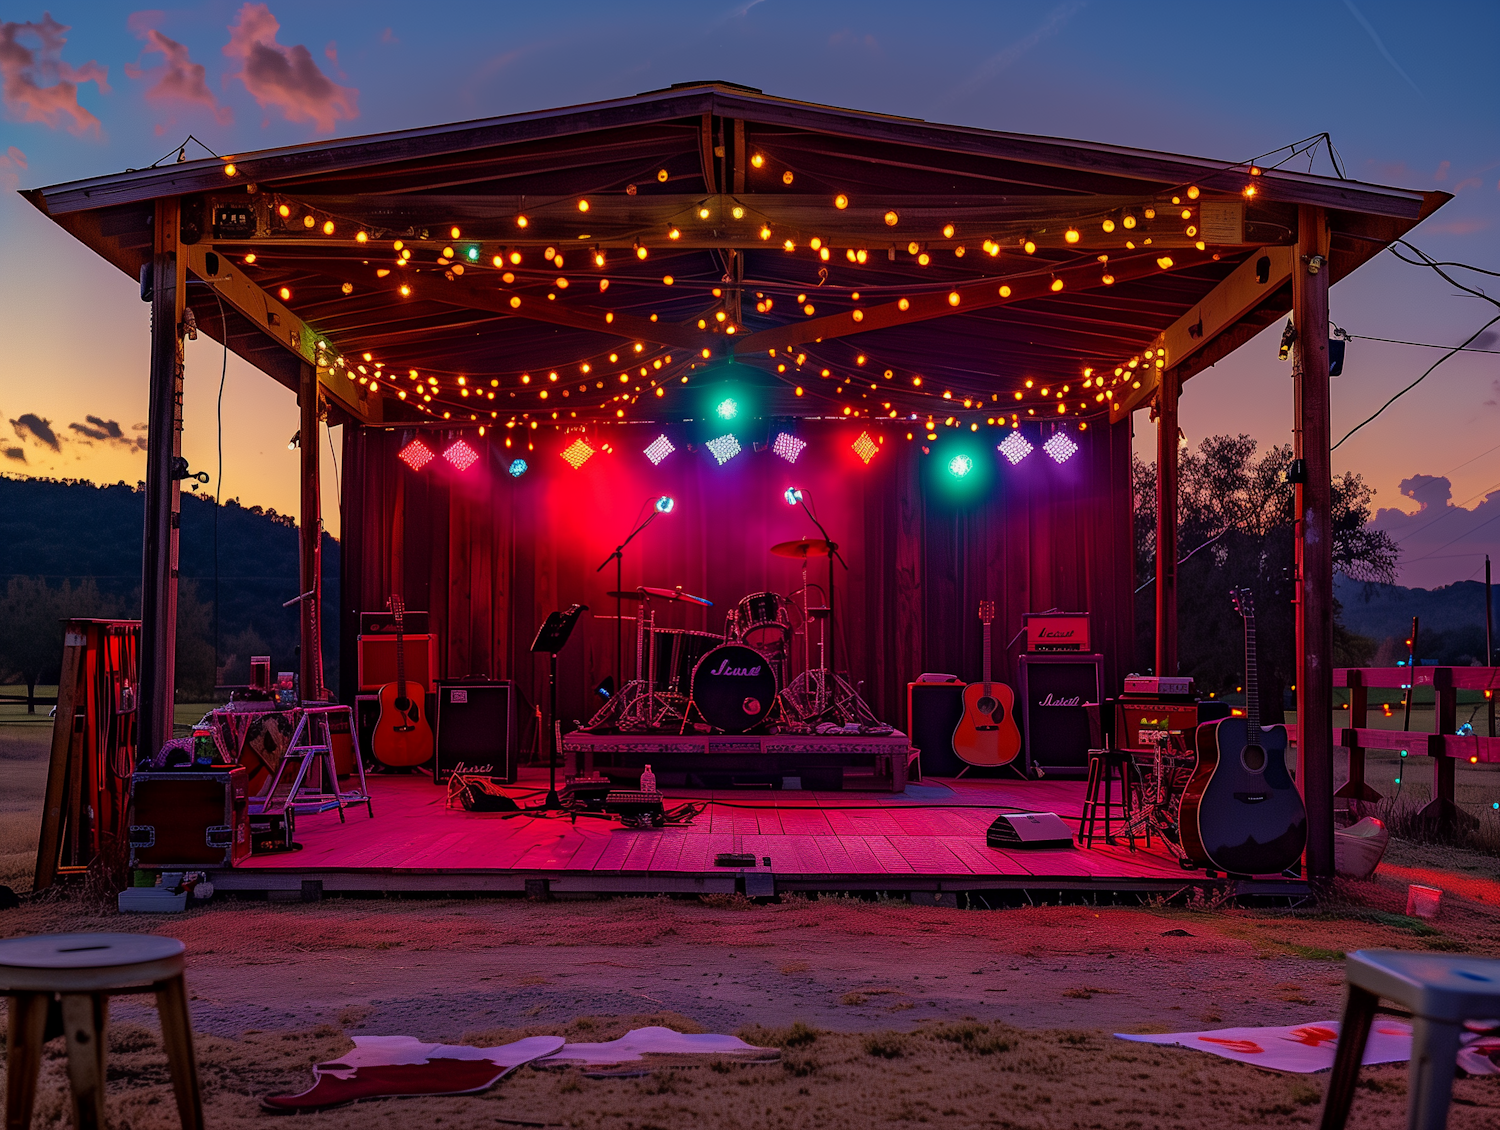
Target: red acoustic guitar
{"points": [[987, 733], [402, 737]]}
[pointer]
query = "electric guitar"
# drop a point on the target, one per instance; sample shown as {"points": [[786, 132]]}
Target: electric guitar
{"points": [[1241, 811], [402, 737], [987, 734]]}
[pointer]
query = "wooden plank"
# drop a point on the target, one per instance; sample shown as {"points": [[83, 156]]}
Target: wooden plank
{"points": [[1036, 283], [1464, 678], [49, 840]]}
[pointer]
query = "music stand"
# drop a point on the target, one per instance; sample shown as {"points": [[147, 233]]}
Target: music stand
{"points": [[551, 638]]}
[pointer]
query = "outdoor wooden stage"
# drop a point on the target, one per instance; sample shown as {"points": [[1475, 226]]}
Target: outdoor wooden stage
{"points": [[928, 841]]}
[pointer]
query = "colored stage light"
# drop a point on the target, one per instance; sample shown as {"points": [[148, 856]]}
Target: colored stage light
{"points": [[793, 496], [517, 468], [1015, 448], [1060, 447], [725, 448], [665, 504], [659, 449], [727, 409], [415, 455], [960, 465], [578, 453], [788, 446], [865, 447], [461, 455]]}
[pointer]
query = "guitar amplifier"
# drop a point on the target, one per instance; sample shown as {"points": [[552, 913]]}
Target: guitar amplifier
{"points": [[383, 623], [377, 660], [1055, 725], [932, 711], [196, 818], [476, 730], [1057, 632]]}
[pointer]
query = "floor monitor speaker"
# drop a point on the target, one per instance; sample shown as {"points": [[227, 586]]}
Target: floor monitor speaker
{"points": [[1054, 691], [1029, 830]]}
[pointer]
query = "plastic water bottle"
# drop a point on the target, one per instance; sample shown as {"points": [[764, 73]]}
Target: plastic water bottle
{"points": [[648, 780]]}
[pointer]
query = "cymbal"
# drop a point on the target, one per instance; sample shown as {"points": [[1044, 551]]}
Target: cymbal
{"points": [[802, 547], [646, 591]]}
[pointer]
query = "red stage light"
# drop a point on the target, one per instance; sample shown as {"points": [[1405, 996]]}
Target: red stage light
{"points": [[415, 455], [659, 449], [865, 447], [788, 446], [578, 453], [461, 455]]}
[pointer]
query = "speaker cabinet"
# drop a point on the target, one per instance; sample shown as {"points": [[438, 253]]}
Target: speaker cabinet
{"points": [[933, 710], [377, 661], [1054, 691], [476, 730]]}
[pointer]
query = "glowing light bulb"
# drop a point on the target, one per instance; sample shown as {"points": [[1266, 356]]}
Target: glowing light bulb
{"points": [[285, 293], [667, 280], [1057, 284], [840, 201], [953, 298], [230, 170], [786, 177], [1108, 225], [640, 252], [1127, 220], [891, 219], [583, 206], [361, 237], [1071, 235], [947, 231], [1029, 247], [522, 221], [737, 212], [309, 221]]}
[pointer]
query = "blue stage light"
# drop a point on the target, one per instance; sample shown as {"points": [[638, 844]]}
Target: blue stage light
{"points": [[664, 504], [473, 254], [960, 465], [517, 468], [793, 496], [727, 409]]}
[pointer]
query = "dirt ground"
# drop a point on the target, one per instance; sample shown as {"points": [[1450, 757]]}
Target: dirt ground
{"points": [[886, 1012]]}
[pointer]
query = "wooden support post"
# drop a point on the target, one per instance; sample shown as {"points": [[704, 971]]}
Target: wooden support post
{"points": [[1314, 543], [158, 671], [1166, 524], [1359, 707], [1443, 808], [311, 537], [351, 558]]}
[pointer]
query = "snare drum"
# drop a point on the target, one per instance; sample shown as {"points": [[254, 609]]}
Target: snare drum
{"points": [[677, 653], [762, 620]]}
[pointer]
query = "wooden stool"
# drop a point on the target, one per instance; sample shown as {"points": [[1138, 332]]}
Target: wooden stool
{"points": [[60, 985], [1441, 991], [1104, 766]]}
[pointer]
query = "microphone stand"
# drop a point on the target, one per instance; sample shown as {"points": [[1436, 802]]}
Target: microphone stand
{"points": [[833, 552], [618, 557]]}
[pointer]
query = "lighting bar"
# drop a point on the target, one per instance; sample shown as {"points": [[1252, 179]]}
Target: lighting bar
{"points": [[416, 455], [1061, 447], [659, 449], [577, 453], [1015, 448], [788, 446], [724, 448]]}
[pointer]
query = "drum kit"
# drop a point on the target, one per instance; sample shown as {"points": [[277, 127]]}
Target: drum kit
{"points": [[738, 679]]}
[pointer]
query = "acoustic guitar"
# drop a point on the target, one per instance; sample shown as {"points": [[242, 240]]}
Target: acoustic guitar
{"points": [[1241, 811], [986, 734], [402, 737]]}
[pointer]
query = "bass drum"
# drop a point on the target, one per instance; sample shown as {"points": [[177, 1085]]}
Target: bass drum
{"points": [[733, 688]]}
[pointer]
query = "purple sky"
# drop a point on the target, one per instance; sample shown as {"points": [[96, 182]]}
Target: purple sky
{"points": [[1408, 94]]}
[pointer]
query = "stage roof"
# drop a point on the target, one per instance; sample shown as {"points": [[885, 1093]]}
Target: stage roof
{"points": [[929, 269]]}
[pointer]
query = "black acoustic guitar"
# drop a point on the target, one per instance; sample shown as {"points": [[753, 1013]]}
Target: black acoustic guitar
{"points": [[1241, 811]]}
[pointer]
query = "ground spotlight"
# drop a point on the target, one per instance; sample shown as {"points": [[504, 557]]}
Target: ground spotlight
{"points": [[793, 496], [665, 503]]}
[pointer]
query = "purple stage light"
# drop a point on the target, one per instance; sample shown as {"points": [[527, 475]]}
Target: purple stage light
{"points": [[788, 446], [1061, 447], [415, 455], [659, 449], [1015, 448], [725, 448]]}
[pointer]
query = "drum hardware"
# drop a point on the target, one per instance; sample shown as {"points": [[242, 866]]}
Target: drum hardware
{"points": [[664, 662], [1163, 774], [662, 505]]}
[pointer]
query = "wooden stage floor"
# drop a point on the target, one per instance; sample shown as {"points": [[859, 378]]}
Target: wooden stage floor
{"points": [[930, 839]]}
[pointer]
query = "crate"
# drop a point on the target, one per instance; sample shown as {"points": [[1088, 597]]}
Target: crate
{"points": [[195, 819]]}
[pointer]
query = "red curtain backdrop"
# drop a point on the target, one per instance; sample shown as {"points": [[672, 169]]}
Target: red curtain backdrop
{"points": [[489, 555]]}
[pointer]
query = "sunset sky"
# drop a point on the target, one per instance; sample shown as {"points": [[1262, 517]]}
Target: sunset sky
{"points": [[1408, 92]]}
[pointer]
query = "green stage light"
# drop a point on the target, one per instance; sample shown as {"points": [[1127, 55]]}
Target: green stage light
{"points": [[473, 254], [960, 465], [727, 409]]}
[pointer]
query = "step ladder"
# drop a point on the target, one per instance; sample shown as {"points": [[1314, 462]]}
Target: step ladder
{"points": [[306, 779]]}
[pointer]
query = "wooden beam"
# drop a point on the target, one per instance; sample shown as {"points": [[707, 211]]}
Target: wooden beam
{"points": [[1087, 275], [1313, 610], [469, 295], [310, 538], [1218, 311], [282, 326], [706, 152]]}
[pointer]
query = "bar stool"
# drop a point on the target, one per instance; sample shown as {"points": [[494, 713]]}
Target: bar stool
{"points": [[1441, 991], [60, 985], [1104, 766]]}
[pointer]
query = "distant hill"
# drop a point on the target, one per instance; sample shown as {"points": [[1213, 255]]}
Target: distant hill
{"points": [[65, 530], [1450, 618]]}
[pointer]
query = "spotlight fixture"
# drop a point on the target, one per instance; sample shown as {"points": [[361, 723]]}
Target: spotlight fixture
{"points": [[1061, 447], [415, 455], [1015, 448], [788, 446], [517, 468], [724, 448], [865, 447], [727, 409], [960, 465], [793, 495], [578, 453], [296, 441], [461, 455], [658, 449], [665, 504]]}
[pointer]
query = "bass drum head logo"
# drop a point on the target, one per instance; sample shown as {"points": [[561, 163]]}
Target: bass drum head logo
{"points": [[751, 706]]}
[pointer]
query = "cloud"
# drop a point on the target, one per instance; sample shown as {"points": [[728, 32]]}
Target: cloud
{"points": [[12, 164], [30, 424], [1441, 542], [16, 453], [1442, 171], [107, 431], [24, 71], [388, 36], [285, 77], [1375, 38], [178, 79], [1002, 60]]}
